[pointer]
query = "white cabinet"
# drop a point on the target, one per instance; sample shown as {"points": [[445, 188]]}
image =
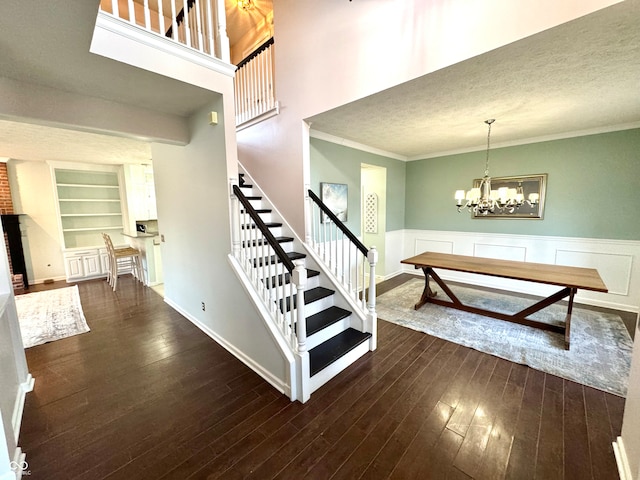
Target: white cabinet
{"points": [[84, 264], [141, 193]]}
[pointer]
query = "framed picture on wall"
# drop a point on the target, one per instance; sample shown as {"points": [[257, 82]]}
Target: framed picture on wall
{"points": [[335, 196]]}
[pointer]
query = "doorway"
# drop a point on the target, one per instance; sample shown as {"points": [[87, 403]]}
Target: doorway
{"points": [[373, 186]]}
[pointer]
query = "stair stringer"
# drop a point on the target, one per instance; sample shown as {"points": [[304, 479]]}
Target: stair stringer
{"points": [[291, 384]]}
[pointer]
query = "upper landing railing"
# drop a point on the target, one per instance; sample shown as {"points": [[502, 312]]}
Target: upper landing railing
{"points": [[255, 87], [197, 24]]}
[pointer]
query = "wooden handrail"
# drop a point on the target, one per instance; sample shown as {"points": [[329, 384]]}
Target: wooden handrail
{"points": [[277, 248], [256, 52], [338, 223]]}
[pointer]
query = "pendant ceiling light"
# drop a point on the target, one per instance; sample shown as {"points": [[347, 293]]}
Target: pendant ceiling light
{"points": [[482, 200], [246, 4]]}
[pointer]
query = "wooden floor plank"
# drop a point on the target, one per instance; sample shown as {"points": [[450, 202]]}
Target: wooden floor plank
{"points": [[549, 462], [146, 394], [577, 458]]}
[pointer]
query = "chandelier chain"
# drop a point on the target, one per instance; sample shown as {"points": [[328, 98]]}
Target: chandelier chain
{"points": [[486, 166]]}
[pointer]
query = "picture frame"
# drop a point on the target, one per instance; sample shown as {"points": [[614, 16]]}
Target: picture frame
{"points": [[336, 197], [536, 184]]}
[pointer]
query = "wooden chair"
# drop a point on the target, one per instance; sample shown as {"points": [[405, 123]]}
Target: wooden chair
{"points": [[121, 260]]}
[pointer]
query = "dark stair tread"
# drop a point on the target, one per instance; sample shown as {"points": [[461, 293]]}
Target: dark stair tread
{"points": [[254, 197], [310, 296], [277, 279], [325, 318], [259, 210], [260, 241], [268, 225], [328, 352], [274, 259], [246, 185]]}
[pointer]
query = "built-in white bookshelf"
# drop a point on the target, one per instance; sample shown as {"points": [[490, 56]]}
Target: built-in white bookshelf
{"points": [[89, 204]]}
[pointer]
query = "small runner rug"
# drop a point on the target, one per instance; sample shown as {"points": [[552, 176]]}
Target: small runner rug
{"points": [[600, 354], [50, 315]]}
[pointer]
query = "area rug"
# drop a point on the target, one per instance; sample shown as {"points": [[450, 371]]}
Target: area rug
{"points": [[50, 315], [600, 354]]}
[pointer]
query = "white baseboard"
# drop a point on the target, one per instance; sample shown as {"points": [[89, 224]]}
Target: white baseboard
{"points": [[249, 362], [19, 466], [624, 469], [42, 280], [18, 408]]}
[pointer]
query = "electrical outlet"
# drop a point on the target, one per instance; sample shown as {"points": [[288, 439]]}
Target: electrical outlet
{"points": [[203, 307]]}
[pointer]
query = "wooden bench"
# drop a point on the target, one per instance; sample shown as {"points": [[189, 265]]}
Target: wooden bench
{"points": [[570, 278]]}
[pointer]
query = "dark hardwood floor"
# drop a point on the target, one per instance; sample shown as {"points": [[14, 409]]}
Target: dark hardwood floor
{"points": [[146, 395]]}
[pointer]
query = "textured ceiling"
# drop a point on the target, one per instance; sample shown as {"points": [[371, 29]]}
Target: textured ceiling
{"points": [[582, 76], [24, 141]]}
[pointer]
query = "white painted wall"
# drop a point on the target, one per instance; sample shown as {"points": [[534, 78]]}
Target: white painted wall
{"points": [[15, 380], [32, 194], [193, 216], [631, 423], [354, 49]]}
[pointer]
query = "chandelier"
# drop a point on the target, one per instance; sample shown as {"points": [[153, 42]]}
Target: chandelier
{"points": [[482, 200], [246, 4]]}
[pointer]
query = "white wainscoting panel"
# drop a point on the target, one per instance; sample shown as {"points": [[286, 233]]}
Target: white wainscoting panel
{"points": [[617, 261], [502, 252], [437, 246], [614, 269]]}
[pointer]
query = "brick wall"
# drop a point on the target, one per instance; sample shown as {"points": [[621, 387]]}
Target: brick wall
{"points": [[6, 207], [6, 204]]}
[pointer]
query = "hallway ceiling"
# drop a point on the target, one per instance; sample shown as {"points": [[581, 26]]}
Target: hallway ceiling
{"points": [[580, 77]]}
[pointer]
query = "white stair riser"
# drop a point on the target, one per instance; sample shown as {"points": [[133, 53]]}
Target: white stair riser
{"points": [[254, 232], [318, 306], [328, 332], [323, 376]]}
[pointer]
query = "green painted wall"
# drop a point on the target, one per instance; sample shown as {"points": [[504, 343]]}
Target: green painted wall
{"points": [[339, 164], [593, 187]]}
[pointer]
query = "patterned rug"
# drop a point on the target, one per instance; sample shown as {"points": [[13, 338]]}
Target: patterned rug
{"points": [[600, 354], [50, 315]]}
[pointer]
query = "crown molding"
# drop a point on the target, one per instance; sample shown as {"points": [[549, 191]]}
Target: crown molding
{"points": [[327, 137], [527, 141]]}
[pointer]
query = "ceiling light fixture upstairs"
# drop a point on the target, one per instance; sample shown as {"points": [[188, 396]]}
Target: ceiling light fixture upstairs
{"points": [[246, 4], [482, 200]]}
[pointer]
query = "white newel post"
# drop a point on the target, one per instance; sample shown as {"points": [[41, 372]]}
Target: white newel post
{"points": [[372, 316], [223, 51], [299, 277], [235, 220]]}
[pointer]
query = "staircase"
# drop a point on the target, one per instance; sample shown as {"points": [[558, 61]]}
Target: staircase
{"points": [[333, 335]]}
